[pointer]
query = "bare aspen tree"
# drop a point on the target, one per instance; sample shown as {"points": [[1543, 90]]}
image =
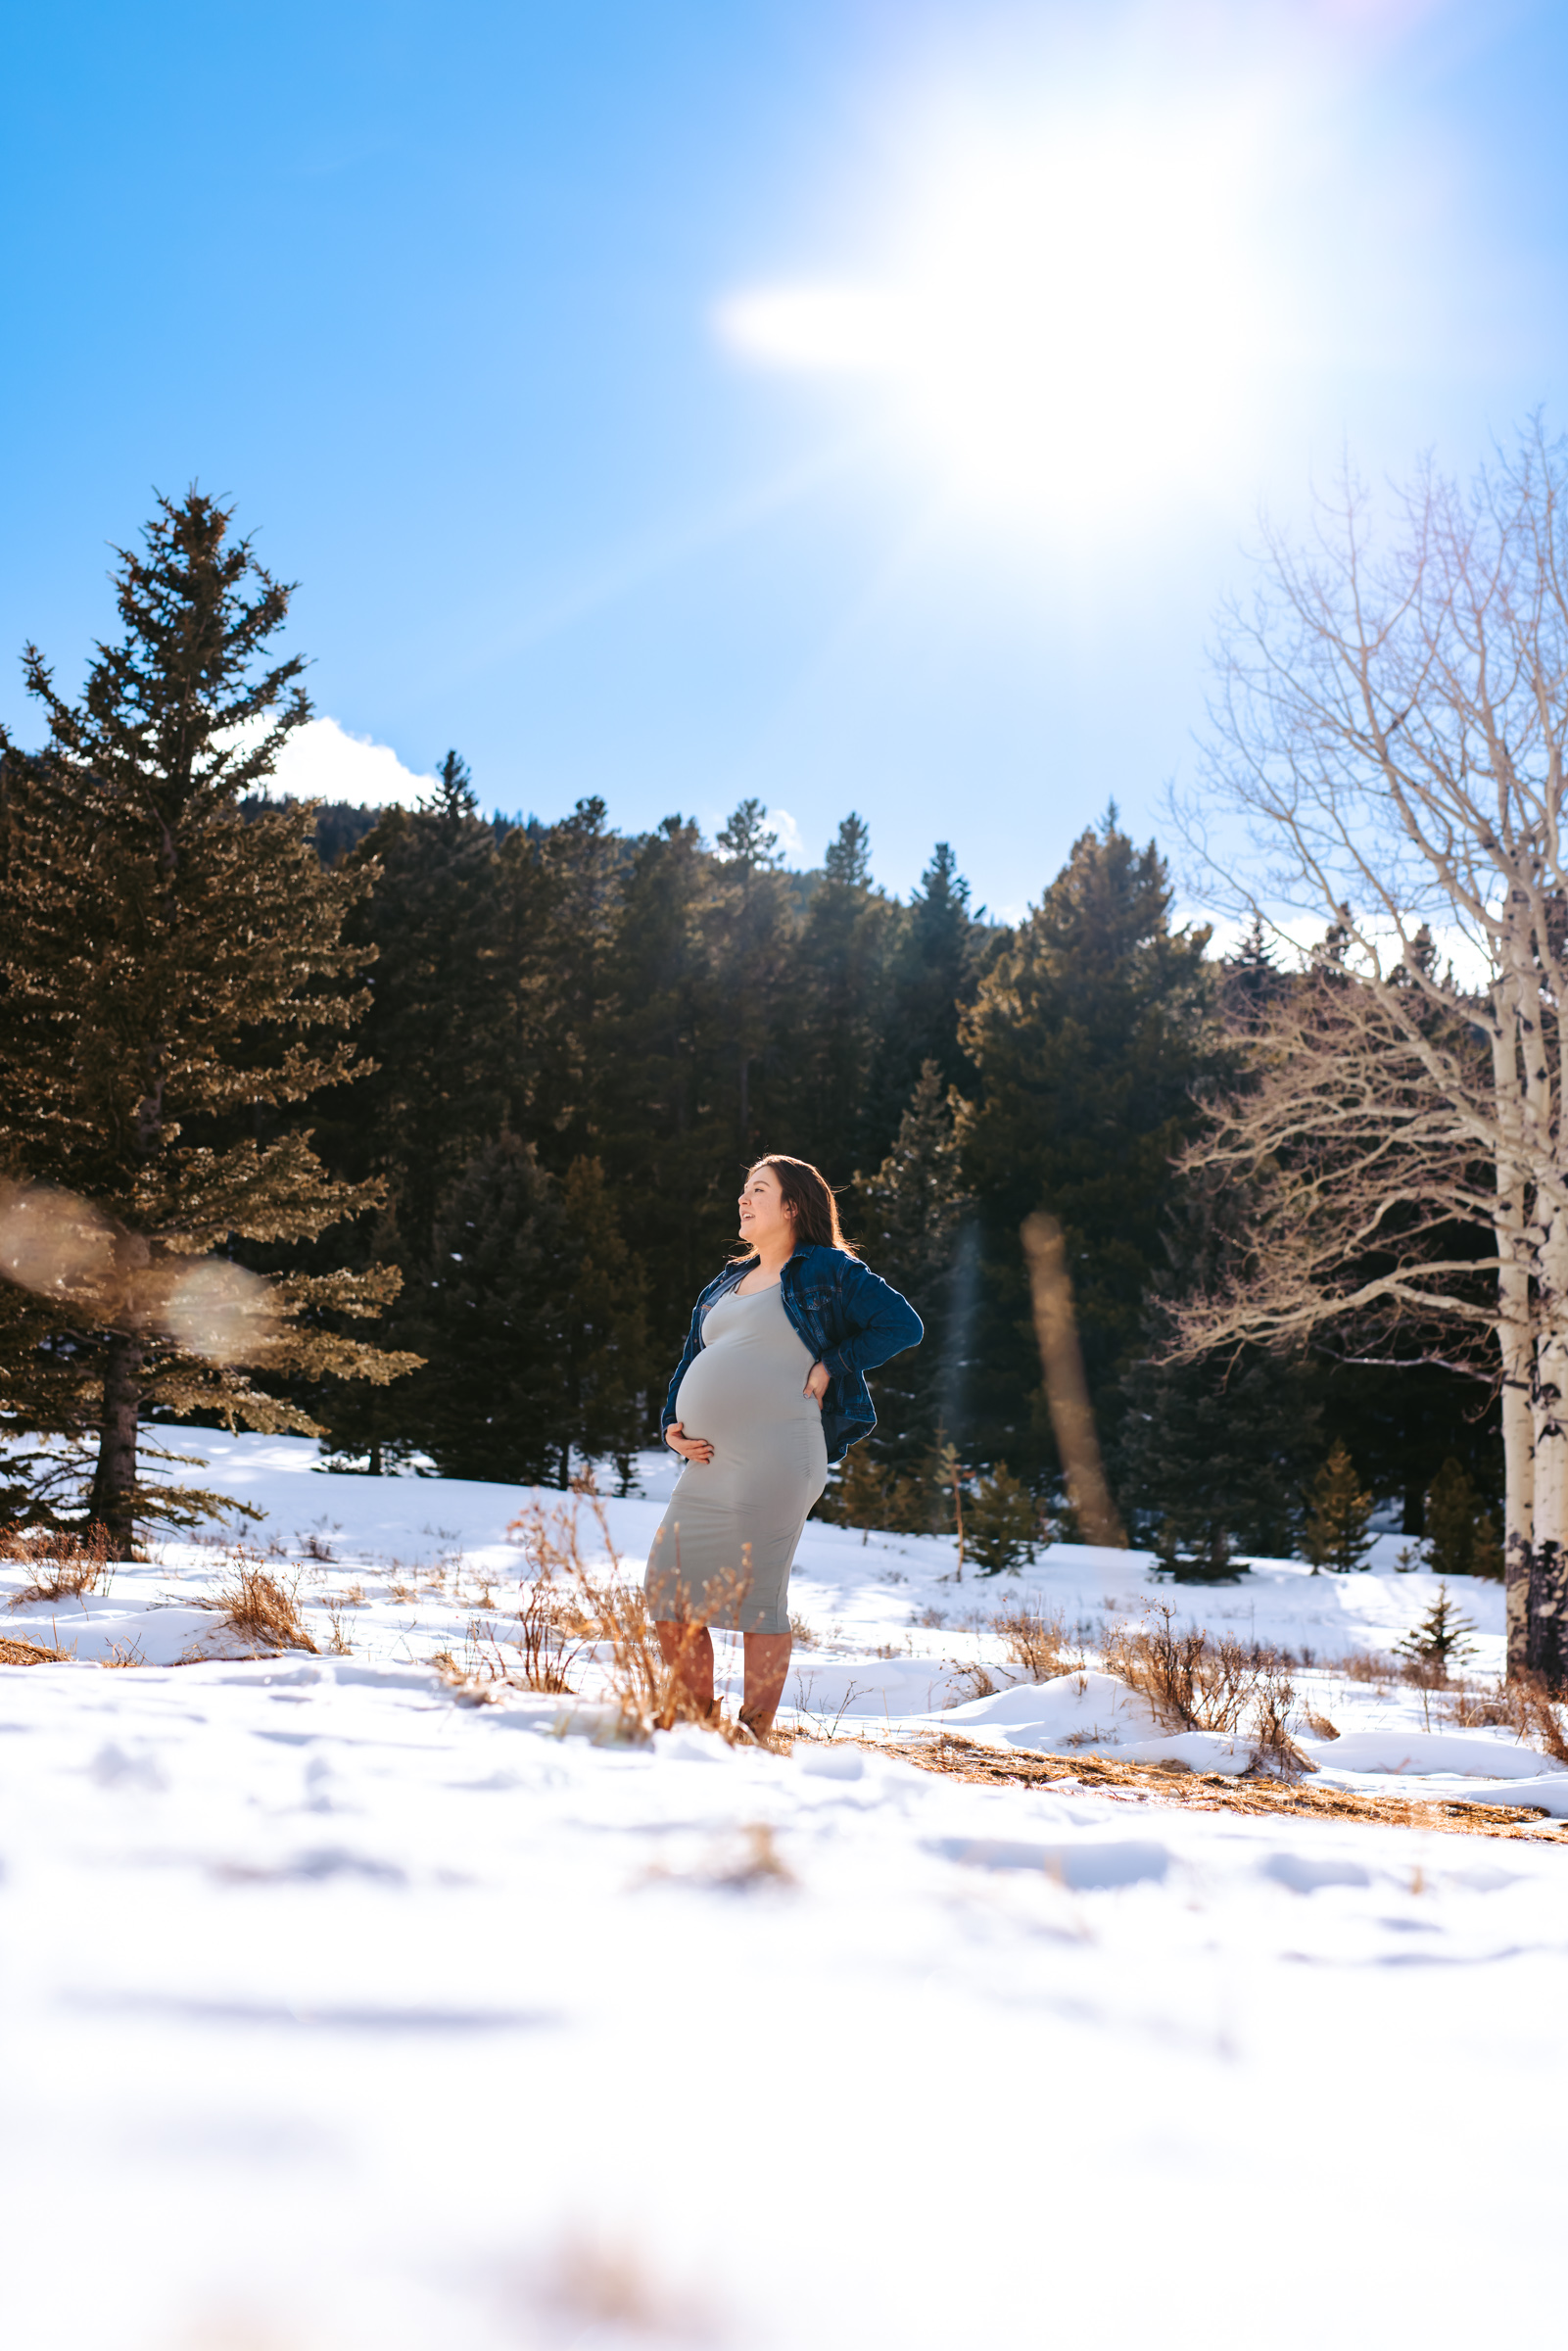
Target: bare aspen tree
{"points": [[1390, 734]]}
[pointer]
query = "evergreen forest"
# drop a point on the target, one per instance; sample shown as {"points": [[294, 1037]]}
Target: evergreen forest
{"points": [[475, 1096]]}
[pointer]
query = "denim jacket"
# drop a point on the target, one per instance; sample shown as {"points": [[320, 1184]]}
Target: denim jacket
{"points": [[850, 1321]]}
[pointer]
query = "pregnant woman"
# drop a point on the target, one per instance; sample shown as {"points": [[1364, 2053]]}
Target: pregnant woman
{"points": [[771, 1389]]}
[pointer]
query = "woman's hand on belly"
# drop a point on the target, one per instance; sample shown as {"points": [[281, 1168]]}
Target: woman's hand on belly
{"points": [[816, 1387], [696, 1449]]}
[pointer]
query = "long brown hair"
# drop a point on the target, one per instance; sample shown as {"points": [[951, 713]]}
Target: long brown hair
{"points": [[809, 1198]]}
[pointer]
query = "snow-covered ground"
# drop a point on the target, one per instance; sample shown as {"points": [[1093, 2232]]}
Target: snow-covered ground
{"points": [[339, 2013]]}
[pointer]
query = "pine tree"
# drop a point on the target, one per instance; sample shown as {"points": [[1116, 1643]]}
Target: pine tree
{"points": [[1441, 1639], [1486, 1555], [1339, 1508], [935, 964], [1451, 1510], [488, 1403], [170, 976], [832, 1015], [1001, 1522], [564, 884], [908, 1219], [602, 1318], [750, 945], [532, 1323], [437, 1029], [1210, 1458], [656, 1127], [1090, 1032]]}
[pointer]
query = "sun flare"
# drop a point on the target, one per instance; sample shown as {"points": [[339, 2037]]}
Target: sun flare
{"points": [[1071, 321]]}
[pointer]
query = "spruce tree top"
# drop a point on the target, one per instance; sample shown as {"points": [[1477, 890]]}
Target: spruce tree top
{"points": [[171, 970]]}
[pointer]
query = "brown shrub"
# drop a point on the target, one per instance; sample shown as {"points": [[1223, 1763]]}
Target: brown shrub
{"points": [[1215, 1792], [1035, 1642], [535, 1659], [1481, 1709], [1362, 1666], [1195, 1683], [28, 1652], [261, 1610], [605, 1610], [975, 1680], [1539, 1715], [66, 1561]]}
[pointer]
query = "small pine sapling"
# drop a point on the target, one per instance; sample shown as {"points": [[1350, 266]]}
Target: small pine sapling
{"points": [[1004, 1523], [858, 1495], [952, 1476], [1440, 1641], [1338, 1509]]}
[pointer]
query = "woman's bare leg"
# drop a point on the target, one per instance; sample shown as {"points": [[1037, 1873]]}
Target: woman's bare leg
{"points": [[689, 1652], [767, 1668]]}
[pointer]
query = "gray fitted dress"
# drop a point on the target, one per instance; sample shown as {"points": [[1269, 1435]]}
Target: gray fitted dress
{"points": [[724, 1552]]}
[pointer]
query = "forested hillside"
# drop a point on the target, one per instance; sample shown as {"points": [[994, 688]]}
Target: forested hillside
{"points": [[580, 1038], [491, 1087]]}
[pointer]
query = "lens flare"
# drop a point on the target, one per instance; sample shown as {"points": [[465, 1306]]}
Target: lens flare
{"points": [[55, 1244], [220, 1312], [62, 1248]]}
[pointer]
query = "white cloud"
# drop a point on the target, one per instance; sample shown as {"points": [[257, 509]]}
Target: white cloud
{"points": [[320, 762], [780, 821]]}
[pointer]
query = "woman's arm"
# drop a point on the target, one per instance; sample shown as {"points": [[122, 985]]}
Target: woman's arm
{"points": [[885, 1324]]}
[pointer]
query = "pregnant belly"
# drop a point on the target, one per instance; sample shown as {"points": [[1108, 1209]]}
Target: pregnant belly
{"points": [[728, 1393]]}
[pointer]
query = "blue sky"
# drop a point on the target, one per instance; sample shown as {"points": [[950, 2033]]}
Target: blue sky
{"points": [[857, 403]]}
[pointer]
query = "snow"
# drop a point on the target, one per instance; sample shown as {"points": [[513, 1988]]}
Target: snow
{"points": [[341, 2016]]}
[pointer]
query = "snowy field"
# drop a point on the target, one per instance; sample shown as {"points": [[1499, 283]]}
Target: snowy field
{"points": [[338, 2012]]}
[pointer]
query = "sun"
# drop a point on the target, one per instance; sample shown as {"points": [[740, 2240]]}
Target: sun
{"points": [[1069, 320]]}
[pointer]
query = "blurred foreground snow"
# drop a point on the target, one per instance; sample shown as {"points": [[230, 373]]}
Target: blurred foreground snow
{"points": [[339, 2015]]}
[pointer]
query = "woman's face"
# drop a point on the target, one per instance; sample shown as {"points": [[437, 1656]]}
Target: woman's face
{"points": [[764, 1219]]}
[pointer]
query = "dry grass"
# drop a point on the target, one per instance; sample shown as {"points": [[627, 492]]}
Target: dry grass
{"points": [[1035, 1643], [802, 1632], [1527, 1705], [259, 1609], [28, 1652], [609, 1617], [541, 1639], [601, 2289], [748, 1858], [1173, 1784], [975, 1680], [1196, 1683], [1471, 1708], [122, 1655], [536, 1658], [66, 1563], [1364, 1665], [1540, 1717]]}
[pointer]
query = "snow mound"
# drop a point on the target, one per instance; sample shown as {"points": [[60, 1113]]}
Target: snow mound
{"points": [[1416, 1754], [1091, 1712], [1085, 1866]]}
